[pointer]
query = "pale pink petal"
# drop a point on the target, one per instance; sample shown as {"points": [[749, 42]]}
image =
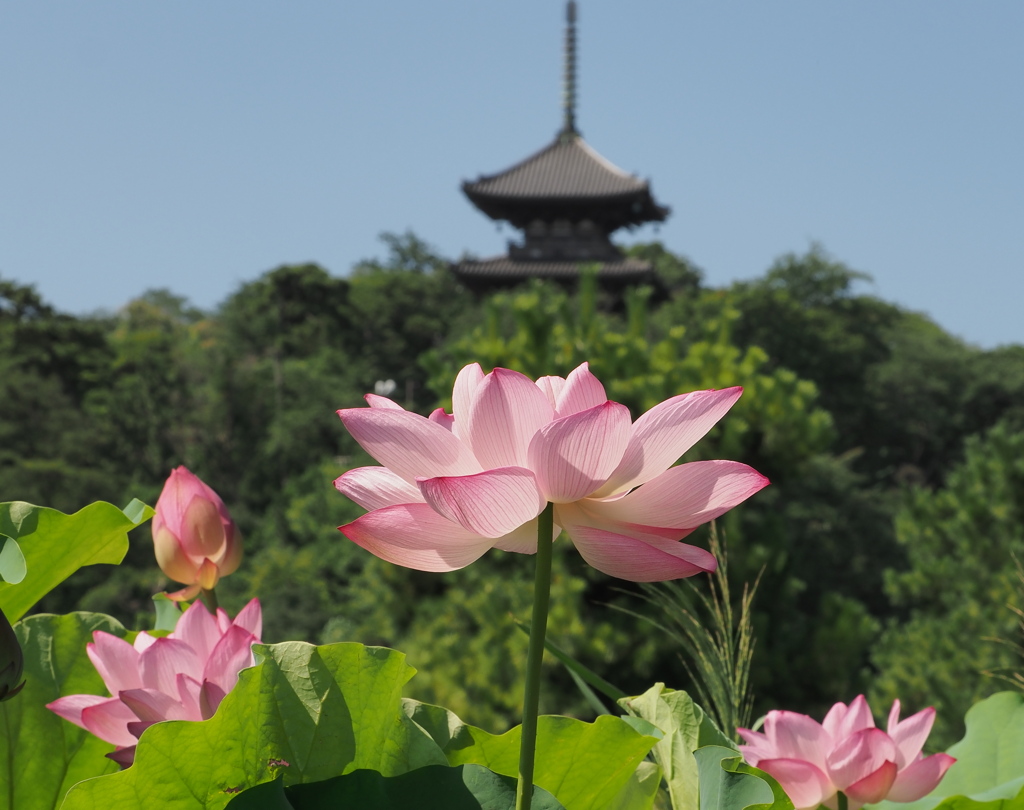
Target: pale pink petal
{"points": [[208, 574], [834, 720], [805, 784], [198, 629], [796, 736], [223, 620], [910, 735], [552, 387], [582, 390], [109, 721], [859, 756], [188, 695], [507, 411], [143, 641], [848, 720], [492, 503], [377, 401], [170, 555], [445, 420], [415, 536], [165, 658], [116, 660], [250, 618], [210, 697], [181, 488], [408, 444], [524, 539], [757, 747], [202, 532], [232, 654], [462, 397], [894, 717], [152, 706], [574, 455], [684, 497], [70, 707], [919, 778], [628, 558], [875, 786], [376, 487], [664, 433], [185, 594]]}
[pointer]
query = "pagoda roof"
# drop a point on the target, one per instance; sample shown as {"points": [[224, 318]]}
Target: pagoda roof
{"points": [[567, 178], [503, 267]]}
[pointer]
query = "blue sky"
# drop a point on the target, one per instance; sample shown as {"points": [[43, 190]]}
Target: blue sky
{"points": [[194, 145]]}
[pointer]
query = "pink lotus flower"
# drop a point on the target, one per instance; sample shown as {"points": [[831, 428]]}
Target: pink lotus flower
{"points": [[455, 485], [195, 540], [183, 676], [812, 761]]}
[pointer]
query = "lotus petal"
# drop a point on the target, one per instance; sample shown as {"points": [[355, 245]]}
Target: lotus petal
{"points": [[116, 660], [408, 444], [507, 411], [805, 784], [683, 497], [377, 487], [858, 756], [492, 503], [582, 390], [920, 778], [909, 735], [652, 560], [416, 536], [574, 455], [664, 433]]}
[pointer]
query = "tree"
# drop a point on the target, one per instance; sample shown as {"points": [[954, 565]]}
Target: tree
{"points": [[960, 541]]}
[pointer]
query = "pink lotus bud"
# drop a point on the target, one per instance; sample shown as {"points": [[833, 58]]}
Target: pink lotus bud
{"points": [[195, 540]]}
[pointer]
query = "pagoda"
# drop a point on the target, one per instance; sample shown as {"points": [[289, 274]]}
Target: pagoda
{"points": [[567, 200]]}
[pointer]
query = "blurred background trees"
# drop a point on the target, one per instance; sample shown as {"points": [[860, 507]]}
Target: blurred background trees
{"points": [[894, 449]]}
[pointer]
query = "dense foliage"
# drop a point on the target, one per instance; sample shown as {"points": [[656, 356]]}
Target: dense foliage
{"points": [[894, 450]]}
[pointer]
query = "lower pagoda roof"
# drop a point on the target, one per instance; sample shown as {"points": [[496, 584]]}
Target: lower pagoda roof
{"points": [[566, 179], [483, 275]]}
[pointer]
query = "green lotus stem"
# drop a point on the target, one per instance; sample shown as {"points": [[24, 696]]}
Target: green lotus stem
{"points": [[538, 628], [210, 600], [841, 801]]}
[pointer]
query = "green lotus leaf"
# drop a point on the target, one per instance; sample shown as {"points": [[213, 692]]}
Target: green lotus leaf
{"points": [[55, 545], [686, 728], [41, 755], [303, 714], [584, 765], [728, 783], [989, 763], [435, 787]]}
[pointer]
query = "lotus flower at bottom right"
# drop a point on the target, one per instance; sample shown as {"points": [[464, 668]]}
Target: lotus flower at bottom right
{"points": [[845, 752]]}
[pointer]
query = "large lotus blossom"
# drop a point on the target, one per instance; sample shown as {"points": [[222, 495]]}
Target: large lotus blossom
{"points": [[455, 485], [812, 761], [195, 540], [183, 676]]}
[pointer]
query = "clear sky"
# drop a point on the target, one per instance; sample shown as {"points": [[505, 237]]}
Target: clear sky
{"points": [[195, 144]]}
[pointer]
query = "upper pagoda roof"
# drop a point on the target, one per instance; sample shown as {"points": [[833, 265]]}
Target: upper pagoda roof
{"points": [[566, 178]]}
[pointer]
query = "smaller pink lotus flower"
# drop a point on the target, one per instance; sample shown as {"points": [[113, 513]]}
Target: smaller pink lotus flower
{"points": [[195, 540], [183, 676], [813, 761]]}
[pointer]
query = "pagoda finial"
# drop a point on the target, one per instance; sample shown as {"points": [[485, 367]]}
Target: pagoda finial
{"points": [[569, 90]]}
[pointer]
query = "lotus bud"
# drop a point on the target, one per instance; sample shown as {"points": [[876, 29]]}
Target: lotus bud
{"points": [[12, 661], [195, 540]]}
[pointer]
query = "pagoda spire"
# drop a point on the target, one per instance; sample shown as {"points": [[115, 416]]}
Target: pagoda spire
{"points": [[569, 130]]}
